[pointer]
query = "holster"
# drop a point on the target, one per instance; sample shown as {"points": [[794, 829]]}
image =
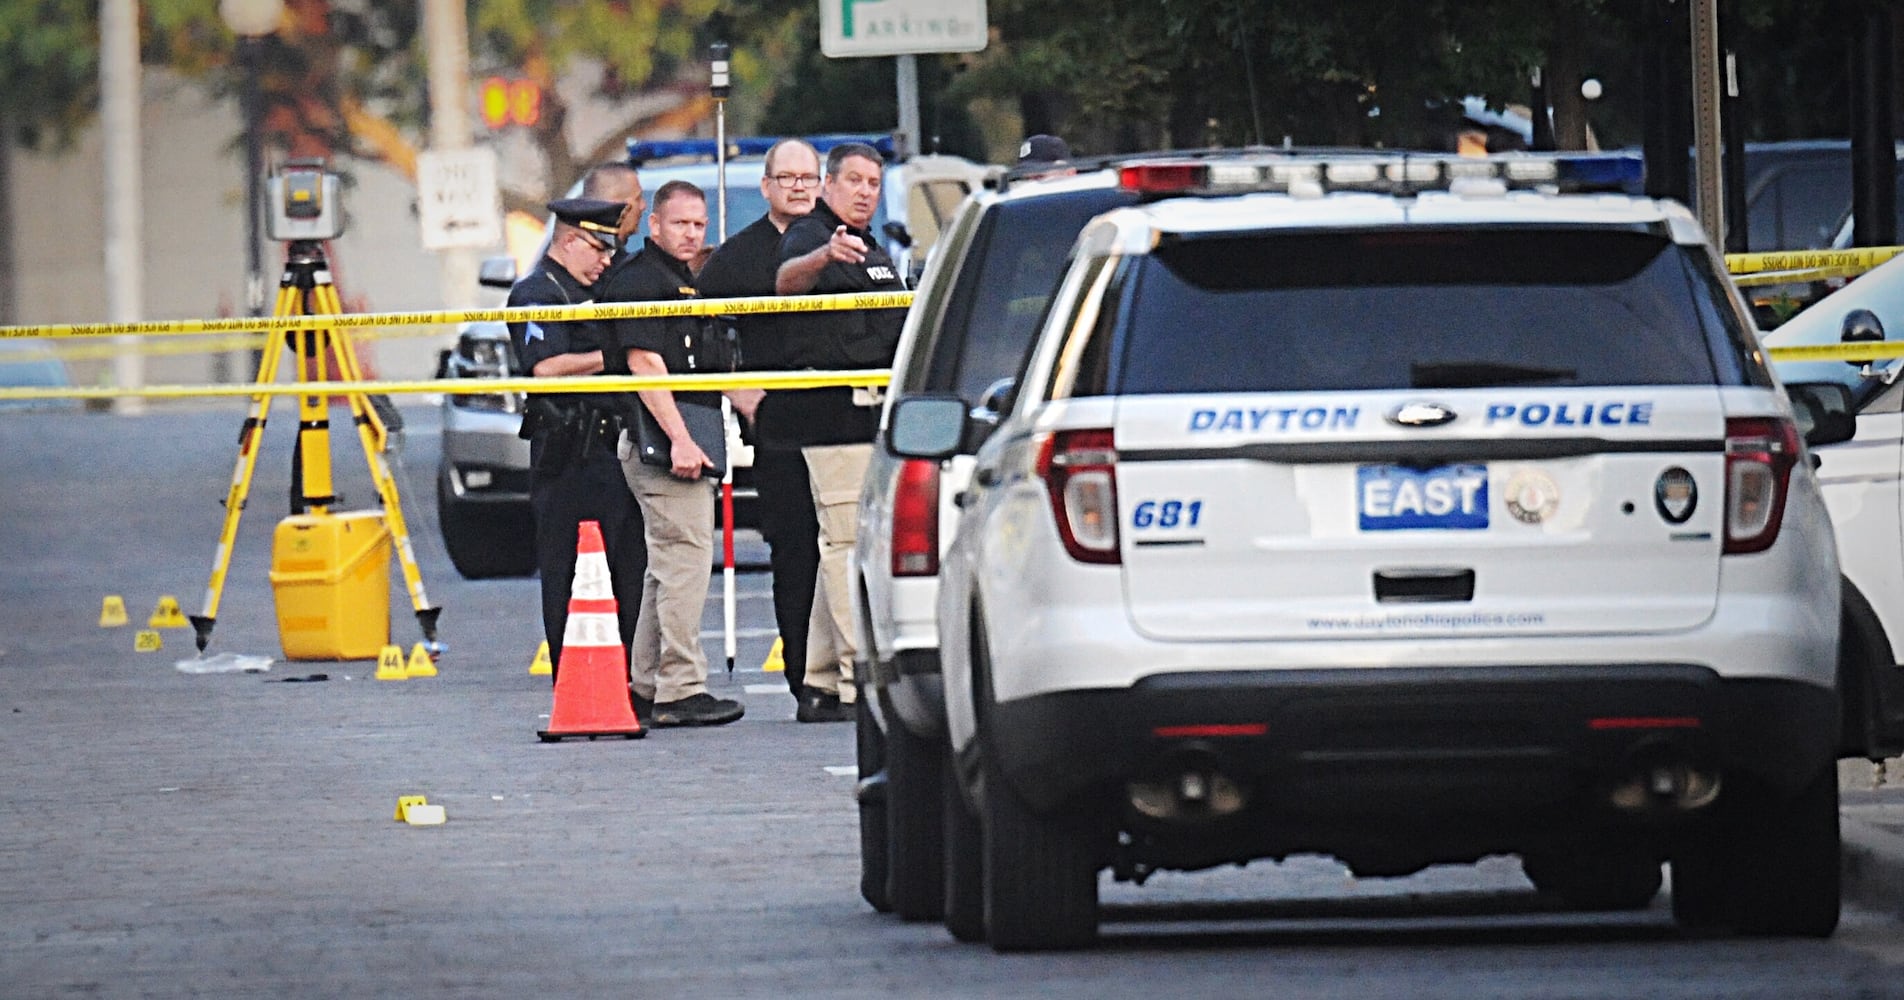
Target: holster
{"points": [[562, 435], [596, 428], [555, 434]]}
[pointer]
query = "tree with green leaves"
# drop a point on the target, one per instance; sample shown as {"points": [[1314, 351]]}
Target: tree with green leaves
{"points": [[1122, 74], [634, 43], [348, 76]]}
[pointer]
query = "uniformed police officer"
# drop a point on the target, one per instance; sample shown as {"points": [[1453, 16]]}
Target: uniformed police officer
{"points": [[830, 250], [745, 266], [574, 474], [665, 460]]}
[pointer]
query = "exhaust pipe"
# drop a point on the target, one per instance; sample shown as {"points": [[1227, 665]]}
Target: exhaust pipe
{"points": [[1190, 786], [1662, 779]]}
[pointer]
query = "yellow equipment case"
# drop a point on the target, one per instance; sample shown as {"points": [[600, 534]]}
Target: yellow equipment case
{"points": [[330, 575]]}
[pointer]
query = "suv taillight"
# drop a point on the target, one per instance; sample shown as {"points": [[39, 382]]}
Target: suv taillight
{"points": [[1080, 472], [1759, 455], [915, 523]]}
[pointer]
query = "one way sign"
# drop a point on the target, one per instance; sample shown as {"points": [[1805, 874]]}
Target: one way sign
{"points": [[458, 202]]}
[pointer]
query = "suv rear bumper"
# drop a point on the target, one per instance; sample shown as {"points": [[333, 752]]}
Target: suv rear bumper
{"points": [[912, 685], [1329, 745], [485, 439]]}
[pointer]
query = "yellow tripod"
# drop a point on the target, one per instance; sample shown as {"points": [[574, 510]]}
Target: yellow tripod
{"points": [[306, 290]]}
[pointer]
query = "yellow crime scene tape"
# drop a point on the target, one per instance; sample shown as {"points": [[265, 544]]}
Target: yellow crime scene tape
{"points": [[750, 306], [1875, 351], [470, 386], [83, 351], [1858, 259], [1750, 269], [1800, 266], [89, 349], [1800, 276], [535, 314]]}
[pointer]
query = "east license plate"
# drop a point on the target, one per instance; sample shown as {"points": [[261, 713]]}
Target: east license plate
{"points": [[1398, 498]]}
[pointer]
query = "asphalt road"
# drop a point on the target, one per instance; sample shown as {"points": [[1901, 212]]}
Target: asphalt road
{"points": [[167, 834]]}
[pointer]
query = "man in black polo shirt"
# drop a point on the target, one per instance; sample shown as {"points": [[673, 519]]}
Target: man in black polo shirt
{"points": [[667, 465], [830, 250], [745, 266]]}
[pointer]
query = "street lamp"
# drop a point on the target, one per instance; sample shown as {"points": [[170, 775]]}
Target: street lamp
{"points": [[251, 21]]}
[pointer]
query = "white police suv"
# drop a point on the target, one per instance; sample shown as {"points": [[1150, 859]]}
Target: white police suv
{"points": [[1863, 484], [976, 311], [1403, 510]]}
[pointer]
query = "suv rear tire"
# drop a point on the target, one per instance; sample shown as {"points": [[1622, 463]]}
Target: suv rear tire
{"points": [[964, 858], [484, 539], [1764, 864], [1040, 875], [915, 832], [871, 794]]}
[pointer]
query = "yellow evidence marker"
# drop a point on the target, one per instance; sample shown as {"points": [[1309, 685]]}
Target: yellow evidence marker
{"points": [[112, 612], [540, 666], [147, 641], [420, 664], [775, 657], [390, 665], [167, 614], [416, 811]]}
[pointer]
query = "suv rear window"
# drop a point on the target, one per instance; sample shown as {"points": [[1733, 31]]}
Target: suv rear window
{"points": [[1013, 267], [1423, 309]]}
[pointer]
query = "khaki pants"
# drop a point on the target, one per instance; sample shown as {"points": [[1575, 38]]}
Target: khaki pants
{"points": [[836, 473], [666, 662]]}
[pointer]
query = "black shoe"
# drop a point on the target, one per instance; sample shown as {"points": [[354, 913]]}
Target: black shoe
{"points": [[698, 710], [822, 706], [644, 708]]}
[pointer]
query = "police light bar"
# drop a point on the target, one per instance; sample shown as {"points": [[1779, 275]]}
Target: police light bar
{"points": [[1385, 174], [642, 151], [825, 143], [646, 150]]}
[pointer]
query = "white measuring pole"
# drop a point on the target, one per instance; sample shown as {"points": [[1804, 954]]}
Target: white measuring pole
{"points": [[727, 409]]}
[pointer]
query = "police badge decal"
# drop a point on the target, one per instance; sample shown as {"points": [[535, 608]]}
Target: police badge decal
{"points": [[1532, 496]]}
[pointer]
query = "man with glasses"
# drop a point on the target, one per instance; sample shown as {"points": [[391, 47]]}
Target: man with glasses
{"points": [[829, 250], [745, 266], [574, 475]]}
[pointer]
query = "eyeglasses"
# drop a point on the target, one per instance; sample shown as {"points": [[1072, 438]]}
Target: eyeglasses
{"points": [[594, 244], [797, 180]]}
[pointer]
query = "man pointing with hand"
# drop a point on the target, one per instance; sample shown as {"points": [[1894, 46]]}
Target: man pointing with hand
{"points": [[832, 250]]}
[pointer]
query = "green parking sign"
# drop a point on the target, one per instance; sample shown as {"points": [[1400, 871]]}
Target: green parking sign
{"points": [[901, 27]]}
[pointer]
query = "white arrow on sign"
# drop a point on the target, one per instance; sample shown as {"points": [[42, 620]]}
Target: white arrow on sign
{"points": [[458, 201]]}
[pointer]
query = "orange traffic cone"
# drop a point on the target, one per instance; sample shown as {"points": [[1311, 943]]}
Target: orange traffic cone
{"points": [[591, 680]]}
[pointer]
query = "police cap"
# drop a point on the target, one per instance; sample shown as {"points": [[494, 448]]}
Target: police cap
{"points": [[591, 214]]}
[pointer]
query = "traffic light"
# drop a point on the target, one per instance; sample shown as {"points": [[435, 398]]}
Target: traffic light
{"points": [[510, 102]]}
